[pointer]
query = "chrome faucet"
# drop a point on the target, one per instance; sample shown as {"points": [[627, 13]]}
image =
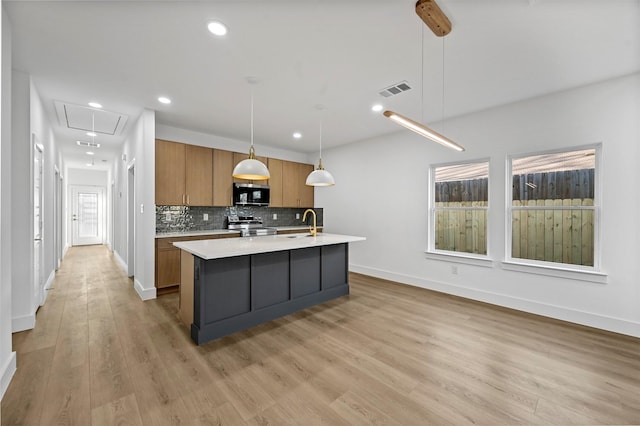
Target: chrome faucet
{"points": [[313, 231]]}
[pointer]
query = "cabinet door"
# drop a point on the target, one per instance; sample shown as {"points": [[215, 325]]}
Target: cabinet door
{"points": [[198, 175], [170, 182], [222, 179], [168, 268], [290, 184], [275, 182], [306, 192]]}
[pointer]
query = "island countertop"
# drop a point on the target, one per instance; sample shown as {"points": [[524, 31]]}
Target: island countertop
{"points": [[230, 247]]}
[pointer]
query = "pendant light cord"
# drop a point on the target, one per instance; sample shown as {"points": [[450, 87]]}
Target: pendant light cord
{"points": [[252, 116], [321, 139], [442, 100], [422, 74]]}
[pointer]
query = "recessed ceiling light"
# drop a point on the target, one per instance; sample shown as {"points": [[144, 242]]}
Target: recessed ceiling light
{"points": [[95, 105], [217, 28], [89, 164], [164, 100], [297, 135], [92, 134], [377, 108], [90, 153]]}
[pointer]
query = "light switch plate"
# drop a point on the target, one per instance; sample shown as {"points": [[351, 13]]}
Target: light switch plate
{"points": [[275, 216], [167, 216], [205, 216], [297, 215]]}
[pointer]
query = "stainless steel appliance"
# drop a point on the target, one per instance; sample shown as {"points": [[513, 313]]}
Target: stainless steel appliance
{"points": [[249, 226], [249, 194]]}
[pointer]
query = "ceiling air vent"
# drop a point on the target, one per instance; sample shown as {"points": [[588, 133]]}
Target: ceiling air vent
{"points": [[88, 144], [395, 89]]}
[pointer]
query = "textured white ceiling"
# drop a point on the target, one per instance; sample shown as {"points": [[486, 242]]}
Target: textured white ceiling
{"points": [[336, 53]]}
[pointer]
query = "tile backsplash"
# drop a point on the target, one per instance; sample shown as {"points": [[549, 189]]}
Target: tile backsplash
{"points": [[189, 218]]}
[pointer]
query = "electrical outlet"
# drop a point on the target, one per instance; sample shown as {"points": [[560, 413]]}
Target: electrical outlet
{"points": [[454, 269], [167, 216], [297, 215], [275, 216], [205, 216]]}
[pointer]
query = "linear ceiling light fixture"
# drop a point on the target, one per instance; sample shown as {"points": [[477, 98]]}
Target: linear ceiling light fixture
{"points": [[438, 22], [251, 168], [422, 130]]}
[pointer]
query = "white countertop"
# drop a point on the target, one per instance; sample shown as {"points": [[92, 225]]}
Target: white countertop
{"points": [[221, 232], [230, 247]]}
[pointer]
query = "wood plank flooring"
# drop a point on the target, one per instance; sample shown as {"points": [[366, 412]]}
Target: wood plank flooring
{"points": [[386, 354]]}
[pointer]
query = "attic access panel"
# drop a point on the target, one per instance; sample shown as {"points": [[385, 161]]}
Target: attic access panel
{"points": [[78, 117]]}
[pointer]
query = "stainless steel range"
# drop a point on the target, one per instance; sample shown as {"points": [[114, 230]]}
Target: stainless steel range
{"points": [[249, 226]]}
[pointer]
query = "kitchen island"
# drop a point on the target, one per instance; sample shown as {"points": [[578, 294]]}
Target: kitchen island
{"points": [[242, 282]]}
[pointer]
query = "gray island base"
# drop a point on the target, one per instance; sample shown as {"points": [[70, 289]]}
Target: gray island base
{"points": [[231, 294]]}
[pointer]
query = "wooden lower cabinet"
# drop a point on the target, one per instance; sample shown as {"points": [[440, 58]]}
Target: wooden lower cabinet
{"points": [[167, 259]]}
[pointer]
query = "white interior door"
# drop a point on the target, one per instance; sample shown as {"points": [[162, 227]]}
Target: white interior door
{"points": [[87, 215]]}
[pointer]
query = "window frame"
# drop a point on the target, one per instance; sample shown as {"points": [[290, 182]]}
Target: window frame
{"points": [[457, 256], [547, 267]]}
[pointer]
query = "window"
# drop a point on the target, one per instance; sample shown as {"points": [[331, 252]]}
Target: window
{"points": [[553, 208], [460, 201]]}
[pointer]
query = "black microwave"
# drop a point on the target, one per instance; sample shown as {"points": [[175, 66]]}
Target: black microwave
{"points": [[248, 194]]}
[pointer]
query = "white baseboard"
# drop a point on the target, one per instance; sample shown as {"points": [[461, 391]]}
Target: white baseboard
{"points": [[47, 286], [26, 322], [119, 260], [144, 293], [616, 325], [64, 250], [6, 373]]}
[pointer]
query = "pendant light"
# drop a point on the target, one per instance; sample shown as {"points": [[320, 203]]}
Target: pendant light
{"points": [[320, 177], [438, 22], [251, 168]]}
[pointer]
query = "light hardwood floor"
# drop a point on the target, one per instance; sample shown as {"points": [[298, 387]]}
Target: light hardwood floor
{"points": [[386, 354]]}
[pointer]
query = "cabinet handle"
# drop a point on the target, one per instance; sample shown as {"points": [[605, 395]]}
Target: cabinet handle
{"points": [[188, 199], [183, 199]]}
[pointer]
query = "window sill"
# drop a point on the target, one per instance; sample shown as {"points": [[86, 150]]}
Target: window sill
{"points": [[556, 271], [466, 258]]}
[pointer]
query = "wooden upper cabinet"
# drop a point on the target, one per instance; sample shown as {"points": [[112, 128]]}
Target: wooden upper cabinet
{"points": [[275, 182], [184, 174], [222, 179], [198, 175], [294, 191], [306, 192], [170, 173], [290, 184]]}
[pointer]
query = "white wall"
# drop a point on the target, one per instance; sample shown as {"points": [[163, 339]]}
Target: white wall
{"points": [[139, 151], [381, 193], [41, 127], [23, 301], [28, 119], [7, 357]]}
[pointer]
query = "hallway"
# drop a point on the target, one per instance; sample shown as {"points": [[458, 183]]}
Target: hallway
{"points": [[387, 353]]}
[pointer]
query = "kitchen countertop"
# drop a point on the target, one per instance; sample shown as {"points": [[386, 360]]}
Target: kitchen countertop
{"points": [[222, 231], [230, 247]]}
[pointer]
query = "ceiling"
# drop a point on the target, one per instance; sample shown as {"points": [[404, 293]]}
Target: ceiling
{"points": [[335, 53]]}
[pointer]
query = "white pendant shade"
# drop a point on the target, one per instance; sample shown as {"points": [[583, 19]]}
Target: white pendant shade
{"points": [[251, 169], [320, 177]]}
